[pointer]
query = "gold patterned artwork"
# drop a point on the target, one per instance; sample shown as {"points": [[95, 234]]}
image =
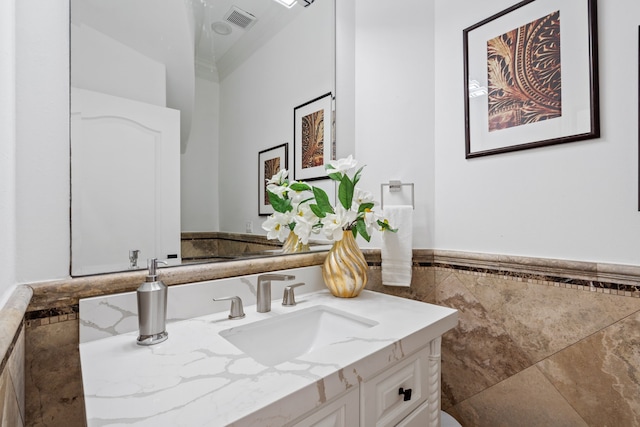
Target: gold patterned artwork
{"points": [[271, 167], [313, 139], [524, 74]]}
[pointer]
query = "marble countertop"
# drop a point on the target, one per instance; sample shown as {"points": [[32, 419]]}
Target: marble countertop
{"points": [[197, 377]]}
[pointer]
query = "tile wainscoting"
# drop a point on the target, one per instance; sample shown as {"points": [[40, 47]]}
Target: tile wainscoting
{"points": [[539, 342], [12, 351], [537, 338], [221, 246]]}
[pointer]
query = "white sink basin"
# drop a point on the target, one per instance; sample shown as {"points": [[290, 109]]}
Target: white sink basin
{"points": [[288, 336]]}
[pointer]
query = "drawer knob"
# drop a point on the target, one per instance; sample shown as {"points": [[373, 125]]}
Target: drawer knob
{"points": [[406, 393]]}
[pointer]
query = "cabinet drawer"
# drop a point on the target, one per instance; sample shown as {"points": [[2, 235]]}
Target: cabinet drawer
{"points": [[381, 404], [418, 418], [342, 412]]}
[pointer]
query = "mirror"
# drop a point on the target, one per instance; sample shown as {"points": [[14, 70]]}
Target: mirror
{"points": [[171, 103]]}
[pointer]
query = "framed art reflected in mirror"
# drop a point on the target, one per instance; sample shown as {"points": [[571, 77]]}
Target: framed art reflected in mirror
{"points": [[313, 140], [270, 162]]}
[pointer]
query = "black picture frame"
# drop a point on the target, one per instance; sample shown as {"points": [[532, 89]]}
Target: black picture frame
{"points": [[511, 101], [313, 144], [270, 161]]}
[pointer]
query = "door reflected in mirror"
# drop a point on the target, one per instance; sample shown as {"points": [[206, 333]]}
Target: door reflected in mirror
{"points": [[171, 102]]}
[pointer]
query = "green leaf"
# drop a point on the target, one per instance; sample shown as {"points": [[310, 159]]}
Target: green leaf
{"points": [[317, 211], [300, 186], [336, 176], [279, 204], [384, 225], [356, 177], [345, 192], [362, 229], [322, 201], [363, 207]]}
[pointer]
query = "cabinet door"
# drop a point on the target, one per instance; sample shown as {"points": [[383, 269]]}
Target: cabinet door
{"points": [[342, 412], [419, 418], [381, 404], [125, 189]]}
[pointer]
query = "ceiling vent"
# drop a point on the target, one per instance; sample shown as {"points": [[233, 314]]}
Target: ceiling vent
{"points": [[240, 18]]}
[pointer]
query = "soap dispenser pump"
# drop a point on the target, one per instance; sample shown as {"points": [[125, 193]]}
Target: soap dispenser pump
{"points": [[152, 307]]}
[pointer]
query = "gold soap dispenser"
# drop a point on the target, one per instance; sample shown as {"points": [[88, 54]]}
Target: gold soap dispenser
{"points": [[152, 307]]}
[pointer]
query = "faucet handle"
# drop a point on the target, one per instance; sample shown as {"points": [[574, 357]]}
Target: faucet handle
{"points": [[289, 297], [236, 311], [275, 276]]}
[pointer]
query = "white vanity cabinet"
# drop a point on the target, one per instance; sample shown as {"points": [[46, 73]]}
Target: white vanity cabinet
{"points": [[406, 393], [198, 377]]}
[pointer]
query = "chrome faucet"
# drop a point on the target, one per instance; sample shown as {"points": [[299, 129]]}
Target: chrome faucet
{"points": [[236, 311], [289, 297], [264, 290]]}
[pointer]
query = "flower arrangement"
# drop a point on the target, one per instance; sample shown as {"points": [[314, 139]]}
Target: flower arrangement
{"points": [[304, 209]]}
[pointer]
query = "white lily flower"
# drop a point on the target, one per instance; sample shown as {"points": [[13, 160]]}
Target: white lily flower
{"points": [[334, 224], [303, 229], [371, 220], [279, 178], [361, 196], [304, 213], [304, 219], [298, 196], [277, 226], [343, 165], [278, 189]]}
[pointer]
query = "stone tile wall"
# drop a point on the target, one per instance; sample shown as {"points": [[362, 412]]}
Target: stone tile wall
{"points": [[12, 407], [53, 375], [529, 351], [218, 245], [12, 358], [538, 344]]}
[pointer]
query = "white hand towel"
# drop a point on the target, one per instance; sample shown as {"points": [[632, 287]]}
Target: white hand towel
{"points": [[397, 248]]}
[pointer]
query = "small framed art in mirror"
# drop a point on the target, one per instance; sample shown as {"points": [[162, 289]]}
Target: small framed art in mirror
{"points": [[270, 162]]}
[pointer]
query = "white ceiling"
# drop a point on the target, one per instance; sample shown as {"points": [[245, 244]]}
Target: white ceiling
{"points": [[219, 54], [178, 33], [159, 29]]}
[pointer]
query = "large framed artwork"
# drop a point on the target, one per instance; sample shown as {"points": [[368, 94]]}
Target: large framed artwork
{"points": [[312, 138], [531, 77], [270, 162]]}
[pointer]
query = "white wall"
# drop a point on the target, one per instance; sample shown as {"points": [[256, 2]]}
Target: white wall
{"points": [[572, 201], [7, 149], [394, 74], [288, 71], [102, 64], [42, 140], [345, 77], [199, 174]]}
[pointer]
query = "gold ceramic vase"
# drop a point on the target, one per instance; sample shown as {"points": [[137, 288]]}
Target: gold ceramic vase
{"points": [[345, 269], [292, 244]]}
